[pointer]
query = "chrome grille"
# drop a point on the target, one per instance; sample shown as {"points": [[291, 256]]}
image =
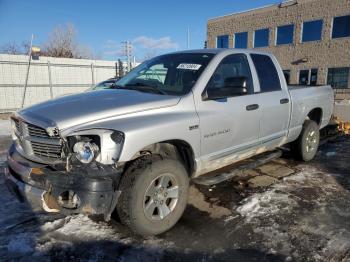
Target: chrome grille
{"points": [[16, 121], [37, 131], [46, 150], [36, 142]]}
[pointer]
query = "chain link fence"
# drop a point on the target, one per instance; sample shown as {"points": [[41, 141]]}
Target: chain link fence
{"points": [[48, 78]]}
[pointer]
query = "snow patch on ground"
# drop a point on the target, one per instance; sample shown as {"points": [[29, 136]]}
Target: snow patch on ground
{"points": [[65, 231], [309, 190], [82, 226], [267, 203]]}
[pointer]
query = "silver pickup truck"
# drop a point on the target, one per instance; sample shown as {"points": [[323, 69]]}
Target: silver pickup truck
{"points": [[135, 146]]}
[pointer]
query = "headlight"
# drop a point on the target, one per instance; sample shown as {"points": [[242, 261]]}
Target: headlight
{"points": [[85, 152], [101, 145]]}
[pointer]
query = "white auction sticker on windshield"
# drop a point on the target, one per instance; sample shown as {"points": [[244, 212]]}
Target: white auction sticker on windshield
{"points": [[189, 66]]}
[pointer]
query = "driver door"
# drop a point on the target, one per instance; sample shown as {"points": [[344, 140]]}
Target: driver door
{"points": [[229, 126]]}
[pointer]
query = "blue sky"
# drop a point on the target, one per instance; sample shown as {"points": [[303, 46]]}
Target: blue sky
{"points": [[154, 27]]}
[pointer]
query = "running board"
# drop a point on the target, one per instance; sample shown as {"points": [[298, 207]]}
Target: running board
{"points": [[229, 172]]}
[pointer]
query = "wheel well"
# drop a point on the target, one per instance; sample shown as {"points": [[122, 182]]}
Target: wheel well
{"points": [[175, 149], [315, 115]]}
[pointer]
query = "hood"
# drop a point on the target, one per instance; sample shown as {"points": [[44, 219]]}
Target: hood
{"points": [[73, 110]]}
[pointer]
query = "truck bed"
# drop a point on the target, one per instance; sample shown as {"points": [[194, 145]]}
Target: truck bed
{"points": [[304, 99]]}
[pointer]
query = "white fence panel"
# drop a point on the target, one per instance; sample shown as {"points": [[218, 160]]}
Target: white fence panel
{"points": [[48, 77]]}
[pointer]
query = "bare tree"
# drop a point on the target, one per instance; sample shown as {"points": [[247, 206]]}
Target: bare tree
{"points": [[11, 48], [62, 43], [25, 47]]}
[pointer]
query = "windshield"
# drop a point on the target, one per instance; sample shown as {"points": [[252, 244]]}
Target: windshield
{"points": [[173, 74]]}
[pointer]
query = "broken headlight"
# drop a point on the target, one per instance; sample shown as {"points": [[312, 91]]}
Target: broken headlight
{"points": [[85, 152], [101, 145]]}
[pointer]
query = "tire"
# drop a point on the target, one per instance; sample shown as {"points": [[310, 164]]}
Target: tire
{"points": [[305, 147], [141, 192]]}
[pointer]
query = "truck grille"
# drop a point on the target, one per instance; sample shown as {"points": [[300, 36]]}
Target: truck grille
{"points": [[46, 150], [35, 141], [37, 131], [16, 121]]}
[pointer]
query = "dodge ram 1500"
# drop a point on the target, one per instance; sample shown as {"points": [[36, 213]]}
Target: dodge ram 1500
{"points": [[134, 146]]}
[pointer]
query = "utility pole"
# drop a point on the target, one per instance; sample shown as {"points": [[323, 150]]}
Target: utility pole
{"points": [[27, 74], [128, 51]]}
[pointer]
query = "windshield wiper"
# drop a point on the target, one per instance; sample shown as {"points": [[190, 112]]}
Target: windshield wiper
{"points": [[146, 87]]}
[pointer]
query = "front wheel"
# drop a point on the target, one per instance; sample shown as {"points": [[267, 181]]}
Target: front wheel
{"points": [[305, 147], [153, 195]]}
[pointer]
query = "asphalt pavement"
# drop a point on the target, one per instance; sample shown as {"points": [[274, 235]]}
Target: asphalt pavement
{"points": [[282, 211]]}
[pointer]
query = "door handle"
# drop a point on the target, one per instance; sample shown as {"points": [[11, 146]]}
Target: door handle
{"points": [[284, 101], [252, 107]]}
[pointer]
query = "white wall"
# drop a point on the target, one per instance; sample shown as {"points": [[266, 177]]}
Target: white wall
{"points": [[67, 76]]}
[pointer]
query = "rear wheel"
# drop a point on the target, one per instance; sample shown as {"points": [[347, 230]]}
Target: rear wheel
{"points": [[154, 195], [305, 147]]}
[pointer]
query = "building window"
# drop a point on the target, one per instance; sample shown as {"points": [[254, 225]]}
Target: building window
{"points": [[286, 74], [313, 77], [312, 31], [308, 77], [338, 77], [285, 34], [222, 41], [304, 77], [241, 40], [341, 26], [261, 37], [267, 73]]}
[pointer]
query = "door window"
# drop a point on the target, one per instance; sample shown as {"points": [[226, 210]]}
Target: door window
{"points": [[231, 67], [267, 73]]}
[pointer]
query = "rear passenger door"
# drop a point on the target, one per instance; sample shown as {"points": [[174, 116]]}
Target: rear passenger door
{"points": [[273, 102]]}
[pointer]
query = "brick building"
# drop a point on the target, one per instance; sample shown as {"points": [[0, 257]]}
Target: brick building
{"points": [[310, 38]]}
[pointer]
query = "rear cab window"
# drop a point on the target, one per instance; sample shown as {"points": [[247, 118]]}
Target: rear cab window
{"points": [[267, 73]]}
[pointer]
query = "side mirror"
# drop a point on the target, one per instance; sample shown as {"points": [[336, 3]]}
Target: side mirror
{"points": [[233, 86]]}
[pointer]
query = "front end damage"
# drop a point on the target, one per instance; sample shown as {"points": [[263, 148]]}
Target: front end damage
{"points": [[73, 172], [85, 190]]}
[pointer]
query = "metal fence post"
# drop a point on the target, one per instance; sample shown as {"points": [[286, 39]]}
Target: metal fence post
{"points": [[50, 79], [92, 75]]}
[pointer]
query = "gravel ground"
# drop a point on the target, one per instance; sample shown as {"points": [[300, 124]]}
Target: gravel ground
{"points": [[283, 211]]}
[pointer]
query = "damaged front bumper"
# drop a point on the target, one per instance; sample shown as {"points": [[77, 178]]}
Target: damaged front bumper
{"points": [[93, 193]]}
